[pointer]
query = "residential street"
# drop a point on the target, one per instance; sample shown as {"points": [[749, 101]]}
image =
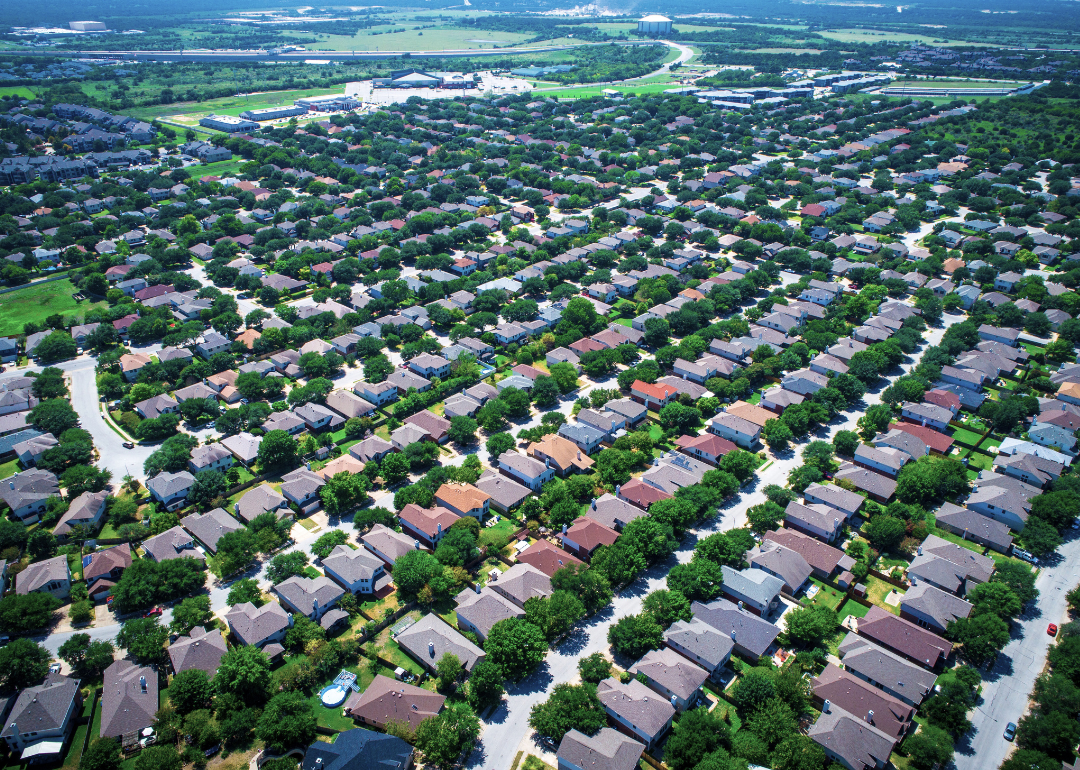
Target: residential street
{"points": [[508, 728], [1007, 686]]}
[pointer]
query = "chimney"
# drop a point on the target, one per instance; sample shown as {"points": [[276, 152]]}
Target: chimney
{"points": [[673, 701], [564, 529], [579, 454], [438, 529], [740, 604], [416, 544], [825, 706], [236, 507], [919, 550], [617, 488], [733, 634], [431, 649], [870, 717], [142, 683], [477, 588]]}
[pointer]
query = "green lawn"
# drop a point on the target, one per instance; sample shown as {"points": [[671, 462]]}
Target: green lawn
{"points": [[827, 596], [498, 533], [10, 468], [22, 91], [877, 590], [966, 436], [221, 168], [38, 302], [852, 608]]}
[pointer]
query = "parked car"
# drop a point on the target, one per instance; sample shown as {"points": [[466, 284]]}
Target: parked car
{"points": [[153, 612], [1010, 731], [1052, 629], [129, 445]]}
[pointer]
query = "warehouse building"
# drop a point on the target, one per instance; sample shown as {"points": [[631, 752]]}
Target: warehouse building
{"points": [[228, 123], [274, 113], [412, 78], [654, 24]]}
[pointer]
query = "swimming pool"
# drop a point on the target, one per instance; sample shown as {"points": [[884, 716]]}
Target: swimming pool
{"points": [[333, 695]]}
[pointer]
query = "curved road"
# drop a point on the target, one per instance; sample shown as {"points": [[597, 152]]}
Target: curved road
{"points": [[685, 54]]}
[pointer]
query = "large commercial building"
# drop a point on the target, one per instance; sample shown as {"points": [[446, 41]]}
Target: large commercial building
{"points": [[329, 103], [273, 113], [654, 24], [228, 123], [412, 78], [88, 26]]}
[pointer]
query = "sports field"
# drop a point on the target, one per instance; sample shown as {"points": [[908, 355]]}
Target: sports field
{"points": [[36, 303]]}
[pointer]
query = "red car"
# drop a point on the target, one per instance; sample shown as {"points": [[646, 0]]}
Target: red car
{"points": [[153, 612], [1052, 629]]}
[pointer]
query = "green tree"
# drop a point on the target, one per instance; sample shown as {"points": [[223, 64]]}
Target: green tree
{"points": [[20, 613], [590, 586], [144, 638], [634, 635], [594, 668], [667, 606], [485, 685], [443, 738], [516, 646], [569, 707], [287, 721], [23, 663], [102, 754], [499, 443], [765, 516], [448, 670], [462, 430], [699, 732], [700, 580], [277, 449], [286, 565], [190, 690], [753, 690], [884, 532], [87, 659], [798, 752], [554, 615], [1054, 734], [846, 442], [810, 626], [982, 637], [994, 598], [246, 590], [245, 673], [191, 612], [158, 758], [413, 571]]}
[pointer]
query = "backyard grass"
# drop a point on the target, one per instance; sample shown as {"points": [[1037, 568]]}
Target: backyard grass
{"points": [[852, 608], [877, 590], [953, 538], [37, 302], [10, 468], [500, 533], [966, 436], [22, 91], [827, 596]]}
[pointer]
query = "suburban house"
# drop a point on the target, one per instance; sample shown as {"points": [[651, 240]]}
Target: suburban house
{"points": [[428, 525], [629, 705], [530, 472], [259, 626], [52, 576], [479, 610], [754, 589], [42, 719], [564, 456], [752, 635], [895, 675], [815, 519], [170, 489], [845, 690], [357, 570], [932, 608], [904, 638], [585, 535], [129, 699], [851, 741], [429, 638], [672, 676], [384, 701], [607, 750], [387, 544], [310, 597], [208, 528], [464, 500], [174, 543], [358, 748], [200, 649]]}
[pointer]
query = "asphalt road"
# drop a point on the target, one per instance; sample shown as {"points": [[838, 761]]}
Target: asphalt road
{"points": [[508, 726], [84, 398], [1007, 686]]}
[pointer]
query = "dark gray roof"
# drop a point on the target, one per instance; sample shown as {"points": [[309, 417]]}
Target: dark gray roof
{"points": [[129, 698], [201, 649], [359, 750], [211, 526], [747, 629], [891, 672], [42, 708], [607, 750]]}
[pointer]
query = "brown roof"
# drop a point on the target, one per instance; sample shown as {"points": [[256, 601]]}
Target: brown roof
{"points": [[563, 452], [201, 649], [437, 426], [104, 562], [903, 637], [547, 558], [818, 555], [427, 520], [891, 715], [589, 533], [751, 413], [641, 493], [386, 700], [463, 497]]}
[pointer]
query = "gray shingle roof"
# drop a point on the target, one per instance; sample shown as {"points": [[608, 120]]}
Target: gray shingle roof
{"points": [[129, 699], [747, 629], [432, 630], [607, 750], [41, 708]]}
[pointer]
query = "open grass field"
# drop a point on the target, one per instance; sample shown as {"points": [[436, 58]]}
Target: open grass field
{"points": [[955, 83], [413, 38], [221, 168], [188, 113], [22, 91], [881, 36], [38, 302], [640, 87]]}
